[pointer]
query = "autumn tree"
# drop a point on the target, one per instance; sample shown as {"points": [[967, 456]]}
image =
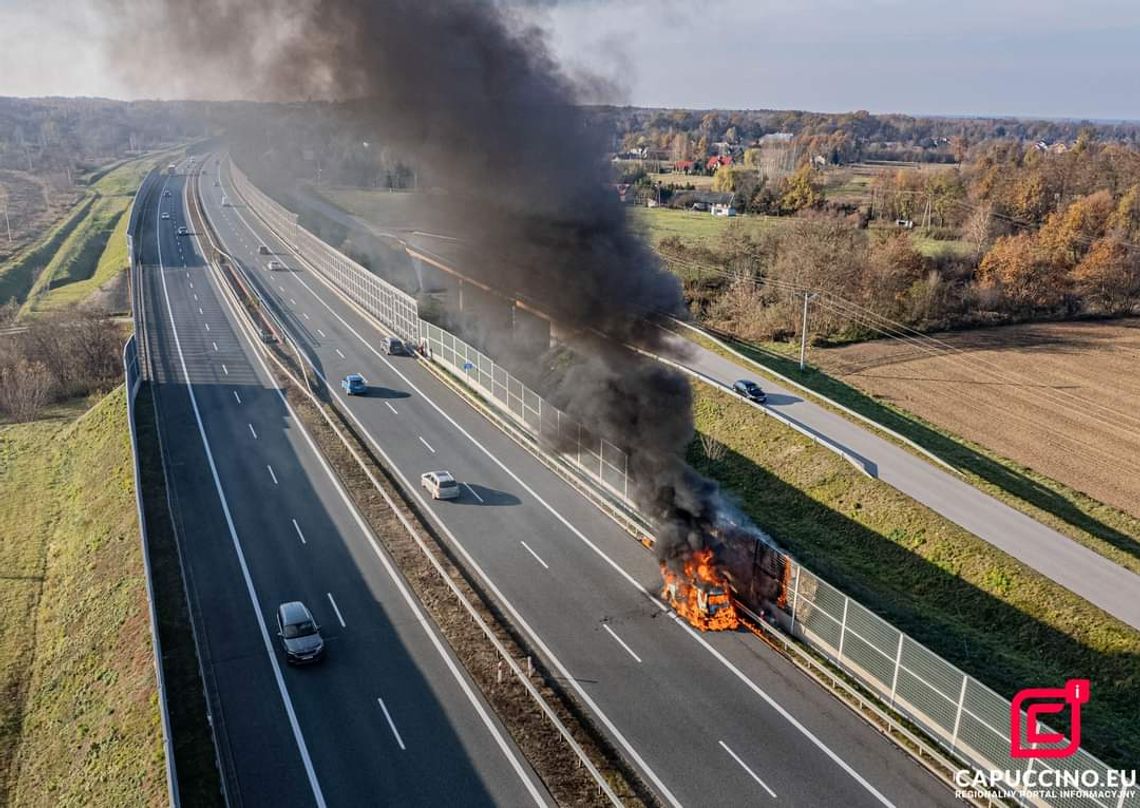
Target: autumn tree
{"points": [[1108, 277], [800, 191], [1067, 235], [1015, 267]]}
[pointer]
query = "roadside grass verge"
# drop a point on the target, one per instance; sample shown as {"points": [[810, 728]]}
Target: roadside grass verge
{"points": [[979, 608], [1102, 528], [80, 722], [111, 260], [18, 275]]}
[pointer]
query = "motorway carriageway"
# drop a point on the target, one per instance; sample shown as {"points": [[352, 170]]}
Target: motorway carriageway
{"points": [[389, 717], [716, 719]]}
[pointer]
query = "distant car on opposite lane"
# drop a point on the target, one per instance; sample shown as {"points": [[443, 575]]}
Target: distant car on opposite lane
{"points": [[750, 390], [440, 484], [166, 192], [300, 635], [274, 265], [354, 384]]}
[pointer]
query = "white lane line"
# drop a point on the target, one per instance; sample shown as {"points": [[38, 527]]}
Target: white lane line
{"points": [[270, 651], [391, 724], [300, 535], [237, 397], [282, 288], [207, 326], [252, 431], [201, 312], [292, 301], [191, 284], [533, 553], [187, 275], [425, 443], [215, 345], [225, 370], [305, 314], [338, 353], [472, 492], [271, 474], [339, 618], [621, 642], [389, 406], [744, 766], [195, 297], [322, 333]]}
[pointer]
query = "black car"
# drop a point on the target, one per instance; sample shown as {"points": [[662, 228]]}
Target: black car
{"points": [[750, 390], [300, 635]]}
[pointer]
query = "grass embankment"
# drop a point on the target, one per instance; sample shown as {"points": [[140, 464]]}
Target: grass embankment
{"points": [[79, 721], [82, 252], [95, 251], [1108, 531], [979, 608]]}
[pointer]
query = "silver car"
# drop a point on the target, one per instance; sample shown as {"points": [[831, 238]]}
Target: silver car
{"points": [[440, 484], [300, 635]]}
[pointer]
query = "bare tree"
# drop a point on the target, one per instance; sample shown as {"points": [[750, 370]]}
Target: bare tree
{"points": [[25, 389]]}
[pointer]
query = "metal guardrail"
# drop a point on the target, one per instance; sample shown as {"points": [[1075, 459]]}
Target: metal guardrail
{"points": [[959, 713], [133, 374]]}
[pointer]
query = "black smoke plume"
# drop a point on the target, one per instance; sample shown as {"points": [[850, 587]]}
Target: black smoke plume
{"points": [[473, 95]]}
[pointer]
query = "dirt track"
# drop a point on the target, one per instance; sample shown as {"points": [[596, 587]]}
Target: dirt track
{"points": [[1060, 398]]}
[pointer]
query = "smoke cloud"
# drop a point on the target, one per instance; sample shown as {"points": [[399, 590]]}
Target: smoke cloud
{"points": [[471, 92]]}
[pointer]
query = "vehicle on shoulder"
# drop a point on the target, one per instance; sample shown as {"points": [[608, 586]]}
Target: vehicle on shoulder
{"points": [[182, 231], [750, 390], [166, 214], [263, 250], [300, 635], [354, 384], [440, 484], [274, 265], [394, 346]]}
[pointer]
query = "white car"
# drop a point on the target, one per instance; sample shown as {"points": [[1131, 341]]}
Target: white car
{"points": [[274, 265], [440, 484], [165, 214]]}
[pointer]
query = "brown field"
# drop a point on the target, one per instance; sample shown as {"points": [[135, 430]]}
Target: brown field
{"points": [[1060, 398]]}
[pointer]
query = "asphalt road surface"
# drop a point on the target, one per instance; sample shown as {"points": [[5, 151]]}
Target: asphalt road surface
{"points": [[388, 717], [716, 719], [1073, 566]]}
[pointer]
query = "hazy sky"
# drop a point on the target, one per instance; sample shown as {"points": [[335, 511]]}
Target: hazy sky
{"points": [[1053, 58]]}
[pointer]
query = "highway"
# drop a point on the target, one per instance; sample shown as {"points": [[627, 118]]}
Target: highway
{"points": [[717, 719], [1080, 570], [389, 717]]}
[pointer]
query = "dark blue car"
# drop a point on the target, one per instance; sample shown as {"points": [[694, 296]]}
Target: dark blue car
{"points": [[750, 390], [354, 385]]}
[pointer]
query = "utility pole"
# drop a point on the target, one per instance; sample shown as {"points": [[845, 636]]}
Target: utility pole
{"points": [[803, 330], [8, 224]]}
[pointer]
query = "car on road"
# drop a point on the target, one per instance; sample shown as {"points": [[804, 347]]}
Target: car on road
{"points": [[354, 384], [166, 214], [300, 635], [750, 390], [263, 250], [225, 201], [166, 192], [274, 265], [440, 484], [393, 346], [182, 231]]}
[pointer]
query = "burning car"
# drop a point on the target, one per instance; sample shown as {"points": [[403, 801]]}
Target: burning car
{"points": [[699, 593]]}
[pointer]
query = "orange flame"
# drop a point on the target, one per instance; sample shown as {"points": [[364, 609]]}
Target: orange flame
{"points": [[700, 593]]}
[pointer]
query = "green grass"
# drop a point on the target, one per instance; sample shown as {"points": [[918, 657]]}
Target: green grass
{"points": [[935, 248], [1108, 531], [702, 229], [979, 608], [79, 723], [95, 250], [18, 274]]}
